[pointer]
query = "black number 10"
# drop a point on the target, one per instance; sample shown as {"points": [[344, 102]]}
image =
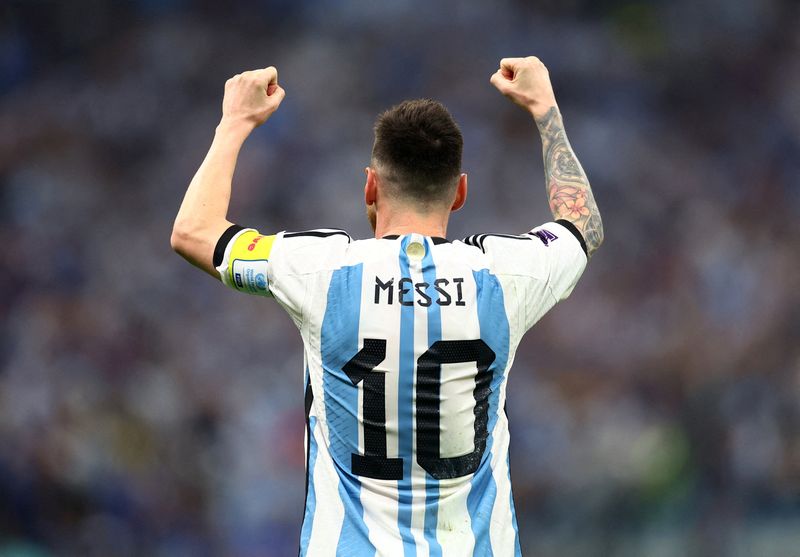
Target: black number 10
{"points": [[374, 462]]}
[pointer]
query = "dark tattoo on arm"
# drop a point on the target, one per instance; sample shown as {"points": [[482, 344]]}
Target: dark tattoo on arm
{"points": [[568, 189]]}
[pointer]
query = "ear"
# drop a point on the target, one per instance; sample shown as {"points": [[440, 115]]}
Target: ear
{"points": [[461, 193], [370, 188]]}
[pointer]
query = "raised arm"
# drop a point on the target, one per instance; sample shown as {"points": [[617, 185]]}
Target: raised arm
{"points": [[250, 99], [526, 82]]}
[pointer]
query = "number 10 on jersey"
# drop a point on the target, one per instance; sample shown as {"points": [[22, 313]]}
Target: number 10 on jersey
{"points": [[374, 463]]}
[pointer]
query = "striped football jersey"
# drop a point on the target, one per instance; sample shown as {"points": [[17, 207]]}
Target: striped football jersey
{"points": [[408, 342]]}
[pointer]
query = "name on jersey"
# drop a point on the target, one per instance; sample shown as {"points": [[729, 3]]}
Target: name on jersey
{"points": [[443, 292]]}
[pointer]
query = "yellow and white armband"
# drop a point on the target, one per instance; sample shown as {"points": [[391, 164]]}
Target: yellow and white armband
{"points": [[242, 260]]}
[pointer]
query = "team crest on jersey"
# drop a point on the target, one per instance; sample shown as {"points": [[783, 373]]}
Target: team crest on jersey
{"points": [[250, 275]]}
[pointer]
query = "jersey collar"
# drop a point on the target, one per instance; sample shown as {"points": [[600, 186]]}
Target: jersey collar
{"points": [[435, 239]]}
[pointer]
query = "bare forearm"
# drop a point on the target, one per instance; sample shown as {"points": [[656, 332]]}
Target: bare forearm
{"points": [[568, 190], [209, 192], [203, 213]]}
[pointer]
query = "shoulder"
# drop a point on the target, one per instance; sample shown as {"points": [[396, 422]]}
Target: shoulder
{"points": [[530, 253], [480, 240], [315, 240], [560, 233], [317, 235], [309, 251]]}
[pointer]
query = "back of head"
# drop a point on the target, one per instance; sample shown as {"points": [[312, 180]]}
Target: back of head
{"points": [[417, 153]]}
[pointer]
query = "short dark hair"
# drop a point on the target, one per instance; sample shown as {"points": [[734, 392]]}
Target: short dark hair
{"points": [[418, 147]]}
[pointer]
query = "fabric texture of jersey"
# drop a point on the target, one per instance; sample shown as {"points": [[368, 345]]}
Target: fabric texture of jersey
{"points": [[408, 343]]}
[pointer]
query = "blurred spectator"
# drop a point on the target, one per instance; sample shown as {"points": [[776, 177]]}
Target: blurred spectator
{"points": [[145, 411]]}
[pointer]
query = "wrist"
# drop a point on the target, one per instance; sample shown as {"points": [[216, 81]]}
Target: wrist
{"points": [[235, 127], [543, 113], [541, 109]]}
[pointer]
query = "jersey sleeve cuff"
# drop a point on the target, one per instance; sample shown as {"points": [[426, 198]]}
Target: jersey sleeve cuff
{"points": [[575, 232], [222, 243]]}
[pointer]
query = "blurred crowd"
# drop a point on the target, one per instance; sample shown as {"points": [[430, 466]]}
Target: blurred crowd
{"points": [[145, 410]]}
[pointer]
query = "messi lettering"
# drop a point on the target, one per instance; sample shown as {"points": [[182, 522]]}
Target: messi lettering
{"points": [[443, 292]]}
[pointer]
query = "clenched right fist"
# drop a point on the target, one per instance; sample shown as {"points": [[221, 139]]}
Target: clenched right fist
{"points": [[525, 81], [252, 96]]}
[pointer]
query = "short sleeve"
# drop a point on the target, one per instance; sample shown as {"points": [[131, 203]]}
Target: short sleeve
{"points": [[562, 253], [280, 265], [543, 264]]}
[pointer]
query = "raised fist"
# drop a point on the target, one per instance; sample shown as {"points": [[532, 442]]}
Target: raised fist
{"points": [[525, 81], [252, 96]]}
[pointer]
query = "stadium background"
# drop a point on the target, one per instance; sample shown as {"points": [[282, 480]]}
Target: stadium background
{"points": [[144, 410]]}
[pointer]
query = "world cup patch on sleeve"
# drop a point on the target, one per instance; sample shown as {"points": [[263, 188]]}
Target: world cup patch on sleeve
{"points": [[545, 236], [250, 275]]}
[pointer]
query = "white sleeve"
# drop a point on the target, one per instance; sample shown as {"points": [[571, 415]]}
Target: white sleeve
{"points": [[276, 265], [563, 254], [544, 264]]}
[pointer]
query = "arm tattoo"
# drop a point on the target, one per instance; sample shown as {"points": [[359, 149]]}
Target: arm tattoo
{"points": [[568, 189]]}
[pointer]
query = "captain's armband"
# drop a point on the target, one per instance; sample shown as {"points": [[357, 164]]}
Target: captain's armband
{"points": [[242, 260]]}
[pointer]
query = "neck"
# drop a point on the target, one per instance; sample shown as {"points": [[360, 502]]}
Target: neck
{"points": [[406, 223]]}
